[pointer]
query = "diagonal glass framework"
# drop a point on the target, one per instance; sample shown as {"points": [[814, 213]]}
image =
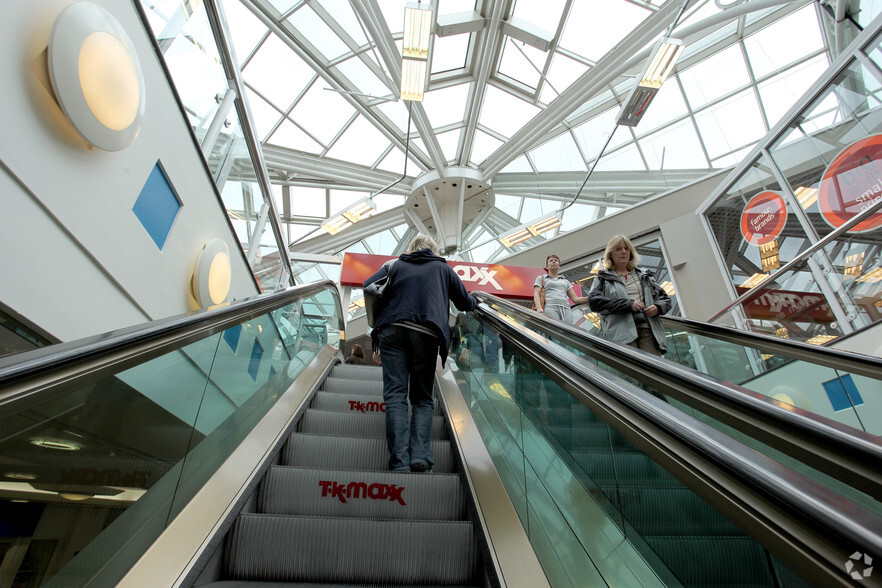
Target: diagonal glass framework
{"points": [[522, 102]]}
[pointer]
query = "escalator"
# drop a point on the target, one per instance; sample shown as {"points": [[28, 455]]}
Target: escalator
{"points": [[672, 506], [189, 451], [231, 448]]}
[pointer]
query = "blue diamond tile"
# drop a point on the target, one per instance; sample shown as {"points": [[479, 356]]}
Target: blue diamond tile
{"points": [[157, 206]]}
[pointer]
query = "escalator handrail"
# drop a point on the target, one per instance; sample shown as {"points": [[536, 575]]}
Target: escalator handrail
{"points": [[790, 503], [823, 443], [43, 367]]}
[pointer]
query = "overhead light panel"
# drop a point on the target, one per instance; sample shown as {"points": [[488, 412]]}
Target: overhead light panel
{"points": [[418, 22], [524, 232], [358, 211], [664, 57]]}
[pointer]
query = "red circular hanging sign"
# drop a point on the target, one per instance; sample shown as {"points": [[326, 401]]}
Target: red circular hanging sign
{"points": [[852, 183], [763, 218]]}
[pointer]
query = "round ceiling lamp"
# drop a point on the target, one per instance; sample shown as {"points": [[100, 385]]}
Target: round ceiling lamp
{"points": [[96, 76]]}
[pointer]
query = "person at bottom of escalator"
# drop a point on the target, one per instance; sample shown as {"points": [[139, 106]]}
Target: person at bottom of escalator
{"points": [[558, 292], [410, 332], [628, 299]]}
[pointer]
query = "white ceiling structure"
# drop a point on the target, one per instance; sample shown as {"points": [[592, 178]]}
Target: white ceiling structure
{"points": [[522, 99]]}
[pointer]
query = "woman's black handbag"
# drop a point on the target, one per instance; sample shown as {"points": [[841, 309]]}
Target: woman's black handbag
{"points": [[373, 295]]}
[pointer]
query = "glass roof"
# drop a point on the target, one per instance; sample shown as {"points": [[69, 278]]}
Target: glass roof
{"points": [[522, 98]]}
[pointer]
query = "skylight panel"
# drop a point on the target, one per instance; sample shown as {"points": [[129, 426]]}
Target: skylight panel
{"points": [[519, 165], [322, 113], [318, 33], [504, 113], [730, 125], [714, 77], [446, 106], [291, 137], [784, 42], [483, 146], [364, 80], [449, 142], [450, 53], [518, 61], [562, 72], [593, 28], [342, 13], [263, 115], [578, 215], [674, 147], [559, 154], [307, 201], [627, 158], [593, 134], [780, 93], [262, 72], [362, 143]]}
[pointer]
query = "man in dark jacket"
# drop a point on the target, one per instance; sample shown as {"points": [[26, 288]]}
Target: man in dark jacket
{"points": [[410, 332]]}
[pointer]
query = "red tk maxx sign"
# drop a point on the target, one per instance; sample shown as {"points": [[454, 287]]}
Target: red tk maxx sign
{"points": [[505, 281]]}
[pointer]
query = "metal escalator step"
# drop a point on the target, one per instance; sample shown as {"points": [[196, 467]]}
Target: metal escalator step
{"points": [[347, 493], [353, 386], [356, 453], [284, 548], [347, 402], [357, 372], [328, 422]]}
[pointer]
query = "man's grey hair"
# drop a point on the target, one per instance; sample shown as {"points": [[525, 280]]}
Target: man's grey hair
{"points": [[422, 242]]}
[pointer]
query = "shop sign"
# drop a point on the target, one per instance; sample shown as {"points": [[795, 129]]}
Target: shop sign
{"points": [[852, 183], [505, 281], [763, 218]]}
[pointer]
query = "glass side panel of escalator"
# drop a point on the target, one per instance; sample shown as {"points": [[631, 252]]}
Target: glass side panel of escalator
{"points": [[598, 510], [848, 398], [92, 471]]}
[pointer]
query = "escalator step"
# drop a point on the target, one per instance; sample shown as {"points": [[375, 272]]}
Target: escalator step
{"points": [[318, 549], [347, 402], [372, 387], [345, 493], [326, 422], [356, 453], [357, 372]]}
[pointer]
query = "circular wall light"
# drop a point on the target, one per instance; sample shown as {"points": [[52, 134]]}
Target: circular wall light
{"points": [[96, 76], [213, 274]]}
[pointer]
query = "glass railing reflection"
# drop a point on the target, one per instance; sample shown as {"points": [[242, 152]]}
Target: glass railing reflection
{"points": [[98, 466], [848, 398], [598, 511]]}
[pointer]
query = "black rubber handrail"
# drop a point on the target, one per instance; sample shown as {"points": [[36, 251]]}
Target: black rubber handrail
{"points": [[848, 454], [807, 525], [39, 368]]}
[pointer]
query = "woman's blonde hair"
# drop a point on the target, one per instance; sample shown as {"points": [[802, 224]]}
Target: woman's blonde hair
{"points": [[615, 240], [422, 242]]}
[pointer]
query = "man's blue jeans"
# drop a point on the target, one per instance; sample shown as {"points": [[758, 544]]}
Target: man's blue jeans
{"points": [[409, 358]]}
